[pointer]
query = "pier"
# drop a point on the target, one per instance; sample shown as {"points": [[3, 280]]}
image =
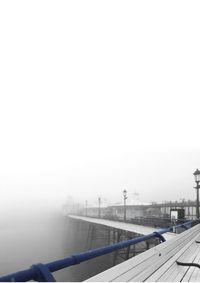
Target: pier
{"points": [[43, 271]]}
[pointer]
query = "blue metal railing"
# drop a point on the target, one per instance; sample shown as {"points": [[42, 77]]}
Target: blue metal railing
{"points": [[42, 272]]}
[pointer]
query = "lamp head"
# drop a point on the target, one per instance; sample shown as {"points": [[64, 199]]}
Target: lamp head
{"points": [[197, 175], [125, 194]]}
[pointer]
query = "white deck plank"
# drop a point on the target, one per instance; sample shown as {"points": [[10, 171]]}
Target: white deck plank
{"points": [[127, 266], [116, 271], [188, 257], [188, 275], [195, 276], [162, 271], [149, 266], [176, 272], [193, 273], [156, 261]]}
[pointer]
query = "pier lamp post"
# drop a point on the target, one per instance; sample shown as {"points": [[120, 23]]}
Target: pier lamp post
{"points": [[86, 205], [197, 180], [125, 198], [99, 200]]}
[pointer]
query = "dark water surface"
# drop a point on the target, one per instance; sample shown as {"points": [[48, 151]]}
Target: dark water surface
{"points": [[23, 243]]}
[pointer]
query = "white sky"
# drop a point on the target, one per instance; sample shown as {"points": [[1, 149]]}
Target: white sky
{"points": [[98, 96]]}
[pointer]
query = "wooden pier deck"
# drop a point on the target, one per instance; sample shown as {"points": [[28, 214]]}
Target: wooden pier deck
{"points": [[161, 263]]}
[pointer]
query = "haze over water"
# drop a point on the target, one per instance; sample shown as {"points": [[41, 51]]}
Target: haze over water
{"points": [[44, 237], [37, 236]]}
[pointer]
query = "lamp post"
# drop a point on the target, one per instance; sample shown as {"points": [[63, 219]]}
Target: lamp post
{"points": [[86, 204], [125, 198], [197, 180], [99, 200]]}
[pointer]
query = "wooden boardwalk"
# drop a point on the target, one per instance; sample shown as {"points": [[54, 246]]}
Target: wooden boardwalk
{"points": [[161, 263]]}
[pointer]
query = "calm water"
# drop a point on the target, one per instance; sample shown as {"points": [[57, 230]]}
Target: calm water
{"points": [[23, 243], [33, 240]]}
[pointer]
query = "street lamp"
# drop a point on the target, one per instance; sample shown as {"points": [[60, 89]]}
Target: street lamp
{"points": [[125, 198], [197, 180], [86, 205], [99, 200]]}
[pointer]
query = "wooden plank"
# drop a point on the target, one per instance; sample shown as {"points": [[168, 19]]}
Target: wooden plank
{"points": [[147, 269], [177, 272], [189, 257], [133, 267], [195, 276], [163, 269], [155, 262], [193, 273], [116, 271]]}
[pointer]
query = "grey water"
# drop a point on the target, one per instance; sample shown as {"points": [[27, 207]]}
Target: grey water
{"points": [[45, 238]]}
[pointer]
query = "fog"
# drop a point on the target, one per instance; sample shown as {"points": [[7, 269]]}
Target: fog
{"points": [[97, 97], [94, 100]]}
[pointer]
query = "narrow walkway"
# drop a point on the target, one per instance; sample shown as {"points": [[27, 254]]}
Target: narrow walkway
{"points": [[139, 229]]}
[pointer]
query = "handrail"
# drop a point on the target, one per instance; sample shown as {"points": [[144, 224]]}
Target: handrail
{"points": [[42, 272]]}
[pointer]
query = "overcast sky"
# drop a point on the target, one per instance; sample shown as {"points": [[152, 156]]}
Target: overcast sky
{"points": [[98, 96]]}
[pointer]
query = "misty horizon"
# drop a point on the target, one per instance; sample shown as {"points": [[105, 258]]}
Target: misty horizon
{"points": [[155, 176], [86, 125]]}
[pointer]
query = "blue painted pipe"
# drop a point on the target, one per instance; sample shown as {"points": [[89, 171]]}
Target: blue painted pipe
{"points": [[20, 276], [78, 258], [170, 229], [34, 274]]}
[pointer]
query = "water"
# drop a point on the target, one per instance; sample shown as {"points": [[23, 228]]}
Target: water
{"points": [[28, 240]]}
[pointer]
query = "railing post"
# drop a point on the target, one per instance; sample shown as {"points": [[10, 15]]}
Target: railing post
{"points": [[42, 273]]}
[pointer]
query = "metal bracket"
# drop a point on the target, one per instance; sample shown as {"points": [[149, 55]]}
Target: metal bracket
{"points": [[159, 236], [183, 225], [43, 274]]}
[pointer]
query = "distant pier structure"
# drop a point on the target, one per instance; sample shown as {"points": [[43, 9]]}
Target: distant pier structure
{"points": [[145, 214]]}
